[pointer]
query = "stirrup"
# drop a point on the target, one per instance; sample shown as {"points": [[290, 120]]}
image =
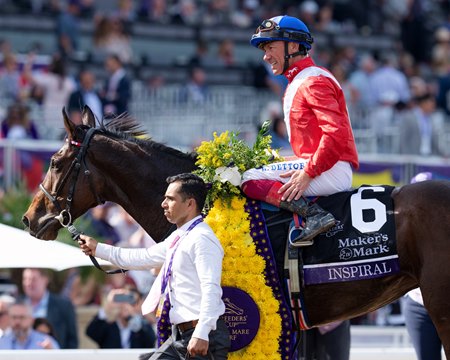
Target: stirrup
{"points": [[295, 234]]}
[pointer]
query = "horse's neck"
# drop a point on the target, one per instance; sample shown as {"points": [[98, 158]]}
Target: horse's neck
{"points": [[135, 178]]}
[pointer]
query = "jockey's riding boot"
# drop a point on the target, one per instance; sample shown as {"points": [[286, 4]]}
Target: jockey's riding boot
{"points": [[317, 220]]}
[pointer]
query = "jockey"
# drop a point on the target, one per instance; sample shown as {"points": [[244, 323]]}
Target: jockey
{"points": [[318, 127]]}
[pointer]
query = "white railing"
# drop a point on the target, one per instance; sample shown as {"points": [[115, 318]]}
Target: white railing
{"points": [[170, 118]]}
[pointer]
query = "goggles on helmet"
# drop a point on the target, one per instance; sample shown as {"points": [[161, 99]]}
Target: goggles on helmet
{"points": [[269, 29], [267, 25]]}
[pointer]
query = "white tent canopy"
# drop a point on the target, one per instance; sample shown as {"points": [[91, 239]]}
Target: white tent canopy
{"points": [[18, 249]]}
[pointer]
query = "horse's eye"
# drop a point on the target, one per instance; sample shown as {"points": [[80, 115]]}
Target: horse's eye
{"points": [[53, 164]]}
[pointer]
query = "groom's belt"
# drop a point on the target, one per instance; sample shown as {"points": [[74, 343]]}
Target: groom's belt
{"points": [[188, 325]]}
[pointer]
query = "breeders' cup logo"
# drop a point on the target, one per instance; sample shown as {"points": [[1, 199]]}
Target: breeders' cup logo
{"points": [[335, 229], [232, 309], [345, 254], [241, 317]]}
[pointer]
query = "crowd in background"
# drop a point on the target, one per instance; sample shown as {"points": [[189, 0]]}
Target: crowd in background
{"points": [[406, 85]]}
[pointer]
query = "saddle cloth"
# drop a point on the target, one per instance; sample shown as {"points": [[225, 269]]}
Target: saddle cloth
{"points": [[362, 244]]}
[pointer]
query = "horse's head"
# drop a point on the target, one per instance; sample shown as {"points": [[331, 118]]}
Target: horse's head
{"points": [[68, 189]]}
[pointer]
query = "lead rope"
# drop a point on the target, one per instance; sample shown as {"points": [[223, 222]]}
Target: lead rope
{"points": [[75, 234]]}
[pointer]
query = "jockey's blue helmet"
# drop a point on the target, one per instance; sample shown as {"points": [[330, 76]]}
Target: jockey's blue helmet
{"points": [[284, 28]]}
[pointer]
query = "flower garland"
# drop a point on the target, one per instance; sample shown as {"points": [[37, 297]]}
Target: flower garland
{"points": [[222, 161], [243, 268]]}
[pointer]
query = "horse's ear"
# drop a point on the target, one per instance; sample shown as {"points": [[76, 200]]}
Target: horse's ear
{"points": [[88, 117], [68, 124]]}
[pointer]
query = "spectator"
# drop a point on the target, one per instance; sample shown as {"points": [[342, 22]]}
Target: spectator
{"points": [[279, 135], [143, 279], [325, 22], [68, 29], [17, 124], [196, 90], [388, 79], [154, 83], [443, 94], [440, 56], [340, 72], [361, 80], [123, 223], [85, 95], [382, 118], [308, 12], [57, 310], [43, 325], [126, 14], [56, 87], [100, 221], [225, 53], [414, 32], [119, 324], [111, 39], [421, 128], [201, 56], [264, 79], [248, 15], [81, 290], [10, 80], [5, 302], [22, 336], [185, 12], [418, 87], [217, 12], [118, 281], [117, 90], [154, 11], [273, 111], [5, 48]]}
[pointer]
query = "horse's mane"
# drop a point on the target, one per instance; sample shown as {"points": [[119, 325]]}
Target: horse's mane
{"points": [[128, 128]]}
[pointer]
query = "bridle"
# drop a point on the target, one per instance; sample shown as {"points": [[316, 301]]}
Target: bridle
{"points": [[65, 217]]}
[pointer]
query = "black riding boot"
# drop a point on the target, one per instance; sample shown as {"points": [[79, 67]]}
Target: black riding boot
{"points": [[317, 220]]}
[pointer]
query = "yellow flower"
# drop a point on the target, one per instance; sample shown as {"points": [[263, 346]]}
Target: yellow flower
{"points": [[242, 267], [227, 150]]}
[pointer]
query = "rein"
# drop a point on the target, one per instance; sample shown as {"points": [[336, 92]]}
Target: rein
{"points": [[65, 216]]}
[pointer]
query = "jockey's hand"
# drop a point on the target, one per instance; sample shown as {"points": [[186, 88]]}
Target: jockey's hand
{"points": [[296, 186], [197, 346], [87, 244]]}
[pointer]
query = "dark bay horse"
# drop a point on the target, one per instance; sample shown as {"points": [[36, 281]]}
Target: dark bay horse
{"points": [[109, 164]]}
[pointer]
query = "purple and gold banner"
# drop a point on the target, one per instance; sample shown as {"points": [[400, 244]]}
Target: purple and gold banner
{"points": [[379, 173]]}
